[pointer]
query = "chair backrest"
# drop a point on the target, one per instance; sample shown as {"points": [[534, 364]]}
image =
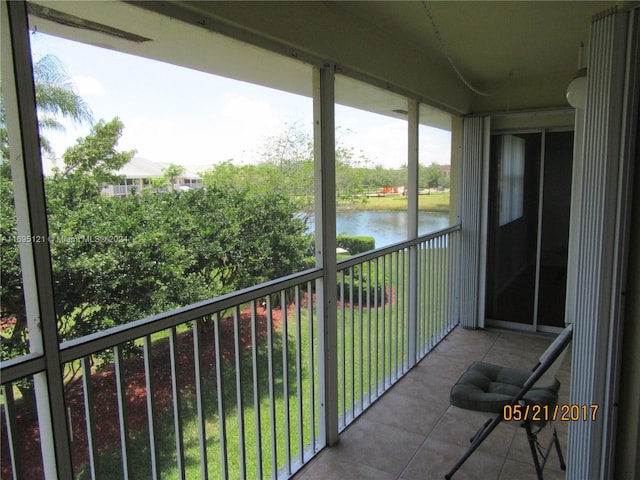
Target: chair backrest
{"points": [[544, 373]]}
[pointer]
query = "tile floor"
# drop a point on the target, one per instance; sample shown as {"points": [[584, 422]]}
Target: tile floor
{"points": [[413, 433]]}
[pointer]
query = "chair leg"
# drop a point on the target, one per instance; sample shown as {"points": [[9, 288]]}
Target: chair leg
{"points": [[476, 440], [533, 442], [531, 437], [556, 441]]}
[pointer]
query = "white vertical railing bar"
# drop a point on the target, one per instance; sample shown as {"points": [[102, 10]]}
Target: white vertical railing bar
{"points": [[151, 410], [177, 398], [299, 372], [444, 296], [376, 320], [272, 399], [420, 300], [428, 253], [360, 343], [426, 283], [353, 343], [403, 313], [419, 303], [393, 287], [429, 292], [433, 278], [312, 369], [256, 388], [368, 331], [89, 402], [200, 405], [418, 306], [10, 419], [285, 382], [239, 389], [383, 322], [342, 372], [122, 410], [222, 422], [438, 287], [397, 317], [442, 289]]}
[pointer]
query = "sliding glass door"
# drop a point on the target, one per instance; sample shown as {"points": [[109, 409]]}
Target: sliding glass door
{"points": [[527, 228]]}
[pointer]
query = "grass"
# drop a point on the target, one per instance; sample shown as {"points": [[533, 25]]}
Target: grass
{"points": [[434, 202]]}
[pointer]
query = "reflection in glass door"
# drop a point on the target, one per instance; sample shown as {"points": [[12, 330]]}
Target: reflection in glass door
{"points": [[527, 229]]}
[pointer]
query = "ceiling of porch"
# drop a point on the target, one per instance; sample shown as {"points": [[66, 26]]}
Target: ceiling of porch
{"points": [[522, 54]]}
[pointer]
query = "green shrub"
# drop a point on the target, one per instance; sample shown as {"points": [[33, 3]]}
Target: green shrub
{"points": [[354, 244]]}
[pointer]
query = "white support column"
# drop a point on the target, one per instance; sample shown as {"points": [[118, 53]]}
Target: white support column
{"points": [[325, 213], [412, 193], [473, 154], [594, 247], [27, 177]]}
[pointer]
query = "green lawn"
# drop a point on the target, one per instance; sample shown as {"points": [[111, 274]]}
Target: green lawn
{"points": [[434, 202]]}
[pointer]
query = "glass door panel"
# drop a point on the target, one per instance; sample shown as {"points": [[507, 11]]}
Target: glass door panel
{"points": [[514, 176]]}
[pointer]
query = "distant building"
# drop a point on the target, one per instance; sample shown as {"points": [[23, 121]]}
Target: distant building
{"points": [[139, 173]]}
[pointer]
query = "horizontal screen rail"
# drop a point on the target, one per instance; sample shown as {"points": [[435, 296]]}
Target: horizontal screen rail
{"points": [[373, 254], [90, 344]]}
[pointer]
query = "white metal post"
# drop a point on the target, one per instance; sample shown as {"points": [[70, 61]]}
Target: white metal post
{"points": [[26, 170], [412, 193], [325, 212]]}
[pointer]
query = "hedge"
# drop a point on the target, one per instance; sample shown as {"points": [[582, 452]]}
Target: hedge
{"points": [[354, 244]]}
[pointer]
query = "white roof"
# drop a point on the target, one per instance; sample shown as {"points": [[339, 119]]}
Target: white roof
{"points": [[138, 167]]}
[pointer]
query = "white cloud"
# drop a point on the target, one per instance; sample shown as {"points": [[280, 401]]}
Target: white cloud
{"points": [[88, 86]]}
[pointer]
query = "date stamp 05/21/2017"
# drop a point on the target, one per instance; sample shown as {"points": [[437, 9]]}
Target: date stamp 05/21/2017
{"points": [[549, 413]]}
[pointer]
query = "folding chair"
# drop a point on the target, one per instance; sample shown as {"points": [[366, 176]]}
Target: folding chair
{"points": [[486, 387]]}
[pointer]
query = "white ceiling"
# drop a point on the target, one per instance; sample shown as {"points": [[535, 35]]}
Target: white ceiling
{"points": [[490, 40], [496, 46]]}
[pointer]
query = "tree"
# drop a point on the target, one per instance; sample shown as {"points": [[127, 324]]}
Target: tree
{"points": [[92, 162], [55, 98], [431, 176], [87, 165], [172, 172]]}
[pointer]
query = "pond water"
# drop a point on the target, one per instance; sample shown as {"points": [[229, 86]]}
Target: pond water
{"points": [[386, 227]]}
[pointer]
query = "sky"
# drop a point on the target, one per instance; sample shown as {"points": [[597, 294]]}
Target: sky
{"points": [[176, 115]]}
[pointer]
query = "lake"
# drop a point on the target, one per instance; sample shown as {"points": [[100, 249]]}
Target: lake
{"points": [[386, 227]]}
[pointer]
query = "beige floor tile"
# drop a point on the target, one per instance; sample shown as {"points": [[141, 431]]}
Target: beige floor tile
{"points": [[445, 366], [435, 459], [380, 446], [457, 426], [409, 413], [513, 470], [328, 468], [431, 389]]}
